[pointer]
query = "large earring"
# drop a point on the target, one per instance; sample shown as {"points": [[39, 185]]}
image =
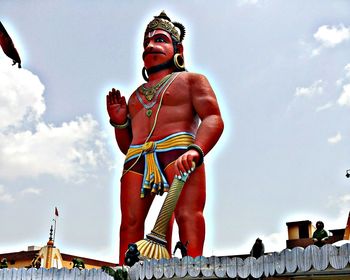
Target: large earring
{"points": [[144, 74], [179, 62]]}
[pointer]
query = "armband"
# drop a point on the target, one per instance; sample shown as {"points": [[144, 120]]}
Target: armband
{"points": [[199, 150], [120, 126]]}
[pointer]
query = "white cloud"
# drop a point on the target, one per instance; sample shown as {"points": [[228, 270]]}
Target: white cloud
{"points": [[275, 242], [4, 196], [335, 139], [247, 2], [345, 199], [70, 150], [315, 88], [339, 82], [21, 96], [316, 52], [344, 99], [67, 151], [342, 204], [34, 191], [347, 70], [330, 36], [324, 107]]}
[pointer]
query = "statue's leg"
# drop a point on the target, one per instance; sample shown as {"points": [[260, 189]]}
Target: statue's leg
{"points": [[189, 211], [134, 211]]}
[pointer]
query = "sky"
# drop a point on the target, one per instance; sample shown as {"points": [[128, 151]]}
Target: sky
{"points": [[281, 73]]}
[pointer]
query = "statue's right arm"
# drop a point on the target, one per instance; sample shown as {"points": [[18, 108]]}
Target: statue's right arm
{"points": [[118, 114]]}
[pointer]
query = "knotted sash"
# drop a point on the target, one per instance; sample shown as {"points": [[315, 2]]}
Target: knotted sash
{"points": [[153, 177]]}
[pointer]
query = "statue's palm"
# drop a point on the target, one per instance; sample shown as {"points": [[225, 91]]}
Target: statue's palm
{"points": [[116, 107]]}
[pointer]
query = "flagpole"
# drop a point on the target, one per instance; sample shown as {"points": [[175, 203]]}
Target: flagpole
{"points": [[54, 231], [55, 220]]}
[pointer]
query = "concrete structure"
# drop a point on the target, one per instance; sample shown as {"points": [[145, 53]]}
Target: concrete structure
{"points": [[300, 234], [48, 257], [301, 261], [53, 273], [24, 259], [327, 262]]}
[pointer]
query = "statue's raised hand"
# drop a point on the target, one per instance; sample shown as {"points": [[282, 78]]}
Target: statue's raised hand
{"points": [[116, 107]]}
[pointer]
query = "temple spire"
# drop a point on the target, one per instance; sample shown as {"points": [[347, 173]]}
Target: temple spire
{"points": [[51, 241]]}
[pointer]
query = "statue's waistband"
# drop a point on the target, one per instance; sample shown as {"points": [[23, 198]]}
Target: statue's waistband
{"points": [[153, 177]]}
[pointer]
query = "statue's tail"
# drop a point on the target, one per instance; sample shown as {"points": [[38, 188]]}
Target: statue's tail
{"points": [[8, 47]]}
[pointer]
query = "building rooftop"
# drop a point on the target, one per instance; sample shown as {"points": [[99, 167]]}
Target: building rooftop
{"points": [[21, 256]]}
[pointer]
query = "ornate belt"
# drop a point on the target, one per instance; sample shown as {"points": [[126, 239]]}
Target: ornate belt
{"points": [[153, 177]]}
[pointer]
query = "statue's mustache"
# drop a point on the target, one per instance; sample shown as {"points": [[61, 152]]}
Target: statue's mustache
{"points": [[147, 52]]}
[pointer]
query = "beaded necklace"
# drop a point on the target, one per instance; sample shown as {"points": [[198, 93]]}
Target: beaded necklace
{"points": [[162, 84], [151, 91]]}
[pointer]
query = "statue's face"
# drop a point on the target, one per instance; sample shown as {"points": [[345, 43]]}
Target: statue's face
{"points": [[158, 48]]}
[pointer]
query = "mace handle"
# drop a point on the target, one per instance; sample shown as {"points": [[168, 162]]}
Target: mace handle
{"points": [[161, 226]]}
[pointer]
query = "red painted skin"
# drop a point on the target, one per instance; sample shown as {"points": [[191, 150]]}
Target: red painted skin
{"points": [[189, 105]]}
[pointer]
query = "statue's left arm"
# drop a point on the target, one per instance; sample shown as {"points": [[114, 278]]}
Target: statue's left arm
{"points": [[211, 127]]}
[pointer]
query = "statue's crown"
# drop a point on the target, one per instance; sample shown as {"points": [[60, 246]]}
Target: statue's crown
{"points": [[176, 29]]}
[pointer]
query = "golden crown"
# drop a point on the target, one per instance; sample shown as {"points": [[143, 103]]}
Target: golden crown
{"points": [[176, 29]]}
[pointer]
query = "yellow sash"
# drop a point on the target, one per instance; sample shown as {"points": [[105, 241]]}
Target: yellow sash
{"points": [[154, 178]]}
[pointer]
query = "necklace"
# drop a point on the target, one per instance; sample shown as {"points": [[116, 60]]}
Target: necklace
{"points": [[149, 106], [150, 92]]}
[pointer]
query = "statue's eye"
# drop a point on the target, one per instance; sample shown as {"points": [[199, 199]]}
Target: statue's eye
{"points": [[160, 40]]}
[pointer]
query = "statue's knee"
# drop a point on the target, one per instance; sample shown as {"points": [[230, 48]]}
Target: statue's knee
{"points": [[131, 224], [186, 217]]}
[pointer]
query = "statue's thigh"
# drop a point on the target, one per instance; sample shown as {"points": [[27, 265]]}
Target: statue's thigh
{"points": [[193, 194]]}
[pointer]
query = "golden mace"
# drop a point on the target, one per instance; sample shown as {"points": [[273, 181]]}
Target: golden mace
{"points": [[154, 245]]}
